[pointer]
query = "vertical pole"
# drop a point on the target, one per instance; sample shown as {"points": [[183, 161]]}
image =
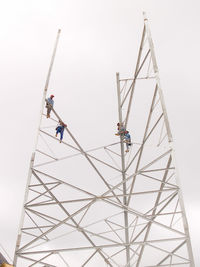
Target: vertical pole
{"points": [[33, 154], [170, 139], [123, 177]]}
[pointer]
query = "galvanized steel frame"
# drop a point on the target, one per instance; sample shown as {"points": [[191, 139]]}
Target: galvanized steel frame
{"points": [[110, 196]]}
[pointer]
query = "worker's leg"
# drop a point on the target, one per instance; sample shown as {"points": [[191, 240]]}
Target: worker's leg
{"points": [[61, 135], [48, 111], [57, 131], [127, 146]]}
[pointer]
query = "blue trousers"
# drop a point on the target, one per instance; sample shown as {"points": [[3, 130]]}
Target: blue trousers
{"points": [[61, 131]]}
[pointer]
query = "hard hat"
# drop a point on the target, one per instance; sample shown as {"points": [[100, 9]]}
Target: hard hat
{"points": [[51, 95]]}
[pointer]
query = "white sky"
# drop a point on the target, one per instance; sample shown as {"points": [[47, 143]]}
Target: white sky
{"points": [[98, 38]]}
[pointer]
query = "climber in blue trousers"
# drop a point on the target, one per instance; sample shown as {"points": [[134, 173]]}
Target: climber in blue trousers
{"points": [[127, 140], [60, 129]]}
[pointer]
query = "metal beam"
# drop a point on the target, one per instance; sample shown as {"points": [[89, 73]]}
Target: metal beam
{"points": [[33, 154], [123, 175], [170, 139]]}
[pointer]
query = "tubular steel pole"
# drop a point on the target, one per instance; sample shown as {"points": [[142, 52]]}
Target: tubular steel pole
{"points": [[35, 146], [123, 177]]}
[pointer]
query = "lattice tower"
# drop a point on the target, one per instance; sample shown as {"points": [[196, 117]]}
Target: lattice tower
{"points": [[105, 206]]}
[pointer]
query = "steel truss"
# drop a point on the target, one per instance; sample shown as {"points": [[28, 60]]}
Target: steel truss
{"points": [[104, 206]]}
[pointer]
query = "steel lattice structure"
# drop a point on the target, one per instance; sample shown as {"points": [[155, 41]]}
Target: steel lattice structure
{"points": [[104, 206]]}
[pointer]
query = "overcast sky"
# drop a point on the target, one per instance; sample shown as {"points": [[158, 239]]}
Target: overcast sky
{"points": [[98, 39]]}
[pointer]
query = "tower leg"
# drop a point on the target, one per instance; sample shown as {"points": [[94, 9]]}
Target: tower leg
{"points": [[126, 230], [33, 155]]}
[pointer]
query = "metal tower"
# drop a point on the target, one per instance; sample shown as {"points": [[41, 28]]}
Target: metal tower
{"points": [[106, 206]]}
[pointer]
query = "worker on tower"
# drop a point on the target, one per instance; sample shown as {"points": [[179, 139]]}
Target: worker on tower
{"points": [[60, 129], [127, 140], [121, 129], [49, 105]]}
